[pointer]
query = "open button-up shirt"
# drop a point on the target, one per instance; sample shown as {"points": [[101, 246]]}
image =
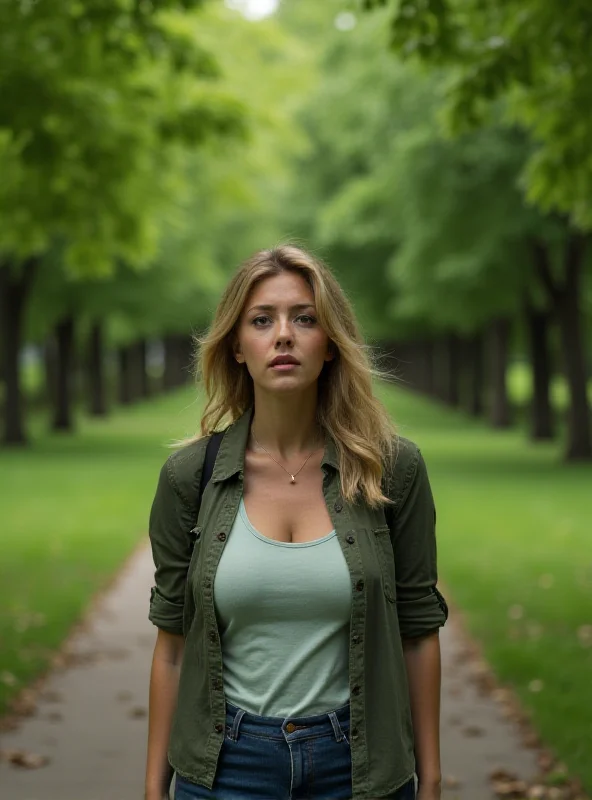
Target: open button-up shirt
{"points": [[391, 557]]}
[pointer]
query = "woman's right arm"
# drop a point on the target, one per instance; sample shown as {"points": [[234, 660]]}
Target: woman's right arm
{"points": [[164, 685]]}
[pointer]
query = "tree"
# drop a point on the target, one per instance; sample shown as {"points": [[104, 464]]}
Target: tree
{"points": [[528, 62], [96, 99]]}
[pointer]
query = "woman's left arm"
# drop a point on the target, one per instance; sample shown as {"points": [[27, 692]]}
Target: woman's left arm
{"points": [[422, 660], [421, 608]]}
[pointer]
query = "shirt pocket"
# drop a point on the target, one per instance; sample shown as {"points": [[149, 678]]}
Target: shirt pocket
{"points": [[386, 558]]}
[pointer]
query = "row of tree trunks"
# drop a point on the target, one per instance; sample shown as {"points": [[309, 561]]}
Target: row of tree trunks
{"points": [[133, 380], [465, 371]]}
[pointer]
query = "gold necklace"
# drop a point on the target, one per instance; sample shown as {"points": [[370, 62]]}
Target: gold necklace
{"points": [[292, 477]]}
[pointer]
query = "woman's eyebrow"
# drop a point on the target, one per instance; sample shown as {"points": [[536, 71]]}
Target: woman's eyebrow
{"points": [[268, 307]]}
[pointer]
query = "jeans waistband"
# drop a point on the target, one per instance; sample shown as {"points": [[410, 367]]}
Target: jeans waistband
{"points": [[288, 728]]}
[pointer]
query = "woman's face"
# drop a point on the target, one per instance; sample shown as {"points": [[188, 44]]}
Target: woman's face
{"points": [[279, 320]]}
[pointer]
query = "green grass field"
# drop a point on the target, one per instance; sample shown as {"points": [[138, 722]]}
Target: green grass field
{"points": [[513, 533]]}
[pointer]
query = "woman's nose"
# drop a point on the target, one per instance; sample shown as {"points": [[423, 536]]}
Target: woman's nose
{"points": [[284, 333]]}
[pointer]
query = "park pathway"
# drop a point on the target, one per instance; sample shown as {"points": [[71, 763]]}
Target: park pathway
{"points": [[90, 718]]}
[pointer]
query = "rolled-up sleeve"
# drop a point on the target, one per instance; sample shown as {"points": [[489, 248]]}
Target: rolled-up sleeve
{"points": [[171, 520], [421, 608]]}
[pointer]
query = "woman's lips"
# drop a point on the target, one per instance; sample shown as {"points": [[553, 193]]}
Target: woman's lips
{"points": [[284, 367]]}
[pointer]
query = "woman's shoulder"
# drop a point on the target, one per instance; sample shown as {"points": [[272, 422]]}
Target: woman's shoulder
{"points": [[402, 467], [184, 467]]}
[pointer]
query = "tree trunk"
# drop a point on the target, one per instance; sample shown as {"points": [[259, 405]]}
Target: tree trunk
{"points": [[499, 412], [169, 377], [177, 360], [452, 371], [14, 291], [142, 366], [541, 410], [569, 315], [95, 365], [64, 337], [476, 375], [50, 360], [428, 368], [566, 302], [125, 375]]}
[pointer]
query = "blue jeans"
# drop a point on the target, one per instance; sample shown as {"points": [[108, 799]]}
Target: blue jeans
{"points": [[275, 758]]}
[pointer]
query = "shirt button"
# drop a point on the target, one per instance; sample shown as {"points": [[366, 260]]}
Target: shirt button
{"points": [[350, 540], [338, 506], [222, 536], [218, 728], [359, 586], [356, 638], [356, 690]]}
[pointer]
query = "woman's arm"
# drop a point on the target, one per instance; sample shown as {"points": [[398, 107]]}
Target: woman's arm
{"points": [[164, 685], [422, 660]]}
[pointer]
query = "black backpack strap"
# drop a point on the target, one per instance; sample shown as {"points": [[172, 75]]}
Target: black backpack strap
{"points": [[212, 448]]}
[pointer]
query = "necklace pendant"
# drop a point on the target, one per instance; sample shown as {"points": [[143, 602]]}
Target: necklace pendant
{"points": [[292, 479]]}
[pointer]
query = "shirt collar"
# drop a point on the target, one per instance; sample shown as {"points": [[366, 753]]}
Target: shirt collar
{"points": [[231, 455]]}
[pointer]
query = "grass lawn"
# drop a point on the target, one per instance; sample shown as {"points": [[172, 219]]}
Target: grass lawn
{"points": [[513, 531], [515, 553], [73, 507]]}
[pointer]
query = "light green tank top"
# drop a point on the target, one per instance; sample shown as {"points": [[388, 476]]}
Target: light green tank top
{"points": [[283, 612]]}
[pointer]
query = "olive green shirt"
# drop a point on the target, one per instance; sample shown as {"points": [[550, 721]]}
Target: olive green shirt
{"points": [[391, 557]]}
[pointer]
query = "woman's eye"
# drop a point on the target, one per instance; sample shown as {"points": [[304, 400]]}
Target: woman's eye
{"points": [[307, 319]]}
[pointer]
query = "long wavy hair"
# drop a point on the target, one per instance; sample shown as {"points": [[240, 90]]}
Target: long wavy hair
{"points": [[347, 409]]}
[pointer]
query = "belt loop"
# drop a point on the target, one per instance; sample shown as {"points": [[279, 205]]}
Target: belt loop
{"points": [[339, 734], [235, 724]]}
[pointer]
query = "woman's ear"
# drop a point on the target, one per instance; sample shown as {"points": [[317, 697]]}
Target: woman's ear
{"points": [[237, 352]]}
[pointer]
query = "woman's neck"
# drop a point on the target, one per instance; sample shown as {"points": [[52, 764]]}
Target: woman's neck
{"points": [[286, 424]]}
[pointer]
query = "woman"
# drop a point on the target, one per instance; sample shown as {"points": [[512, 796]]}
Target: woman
{"points": [[298, 651]]}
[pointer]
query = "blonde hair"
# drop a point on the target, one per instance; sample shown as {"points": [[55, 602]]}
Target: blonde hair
{"points": [[347, 408]]}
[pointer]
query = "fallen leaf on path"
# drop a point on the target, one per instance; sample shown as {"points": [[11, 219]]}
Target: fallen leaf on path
{"points": [[25, 703], [507, 784], [137, 713], [473, 731], [22, 758], [51, 696]]}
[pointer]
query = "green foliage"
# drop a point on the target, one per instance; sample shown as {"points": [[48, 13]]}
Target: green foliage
{"points": [[533, 53], [94, 97]]}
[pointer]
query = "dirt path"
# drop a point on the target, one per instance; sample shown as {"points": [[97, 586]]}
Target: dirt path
{"points": [[91, 715]]}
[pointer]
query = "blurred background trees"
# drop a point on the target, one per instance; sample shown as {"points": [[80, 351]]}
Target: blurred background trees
{"points": [[436, 157]]}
